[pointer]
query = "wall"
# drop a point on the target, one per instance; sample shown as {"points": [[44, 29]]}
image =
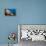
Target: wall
{"points": [[27, 12]]}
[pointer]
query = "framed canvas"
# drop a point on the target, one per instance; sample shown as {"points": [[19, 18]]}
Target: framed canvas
{"points": [[10, 12], [32, 32]]}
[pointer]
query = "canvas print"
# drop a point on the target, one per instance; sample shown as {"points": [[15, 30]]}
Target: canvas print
{"points": [[10, 12], [33, 32], [12, 38]]}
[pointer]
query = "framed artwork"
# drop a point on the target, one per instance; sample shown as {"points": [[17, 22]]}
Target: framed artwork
{"points": [[12, 38], [10, 12], [32, 32]]}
